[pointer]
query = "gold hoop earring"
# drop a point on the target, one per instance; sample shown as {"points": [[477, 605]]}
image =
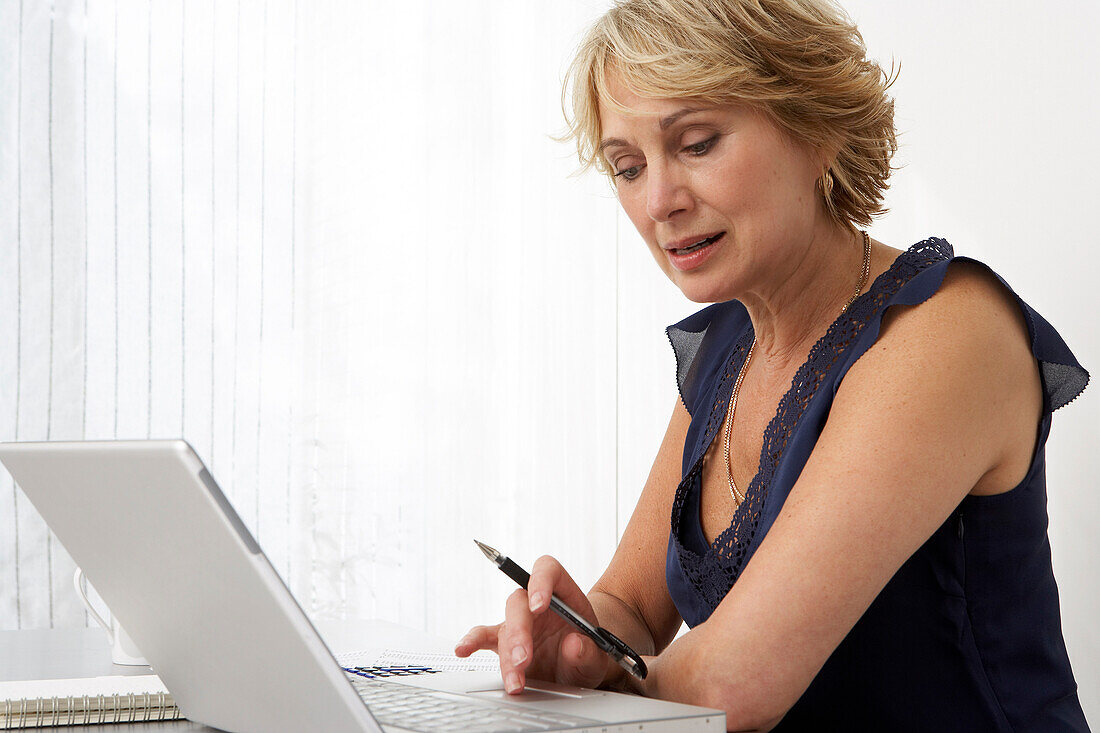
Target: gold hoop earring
{"points": [[827, 184]]}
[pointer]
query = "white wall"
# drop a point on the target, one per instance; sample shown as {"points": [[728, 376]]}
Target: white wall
{"points": [[332, 246]]}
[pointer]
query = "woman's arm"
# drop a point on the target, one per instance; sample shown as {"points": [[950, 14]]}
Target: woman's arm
{"points": [[631, 598], [947, 398]]}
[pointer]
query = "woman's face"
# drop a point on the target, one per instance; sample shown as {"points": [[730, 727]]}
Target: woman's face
{"points": [[724, 199]]}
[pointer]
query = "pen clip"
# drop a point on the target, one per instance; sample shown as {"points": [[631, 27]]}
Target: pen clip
{"points": [[638, 669]]}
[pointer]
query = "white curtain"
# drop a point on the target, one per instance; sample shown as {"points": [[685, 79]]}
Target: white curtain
{"points": [[150, 255], [332, 245]]}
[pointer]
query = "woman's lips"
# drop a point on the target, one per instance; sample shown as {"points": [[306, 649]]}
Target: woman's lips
{"points": [[688, 258]]}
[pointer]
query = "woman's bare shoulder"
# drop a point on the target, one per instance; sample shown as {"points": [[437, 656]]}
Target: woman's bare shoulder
{"points": [[965, 349], [971, 316]]}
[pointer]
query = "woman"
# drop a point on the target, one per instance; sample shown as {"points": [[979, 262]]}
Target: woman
{"points": [[854, 465]]}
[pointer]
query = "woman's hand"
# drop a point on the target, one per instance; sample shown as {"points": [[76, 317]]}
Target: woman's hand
{"points": [[535, 641]]}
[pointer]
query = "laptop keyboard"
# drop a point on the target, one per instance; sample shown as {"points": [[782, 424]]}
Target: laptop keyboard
{"points": [[429, 711]]}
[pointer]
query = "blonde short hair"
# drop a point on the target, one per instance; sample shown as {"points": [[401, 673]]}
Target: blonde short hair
{"points": [[803, 62]]}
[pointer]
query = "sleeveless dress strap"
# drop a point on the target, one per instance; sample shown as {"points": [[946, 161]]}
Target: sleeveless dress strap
{"points": [[1063, 378]]}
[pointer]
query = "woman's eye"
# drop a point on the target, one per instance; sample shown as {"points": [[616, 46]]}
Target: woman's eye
{"points": [[629, 173], [701, 148]]}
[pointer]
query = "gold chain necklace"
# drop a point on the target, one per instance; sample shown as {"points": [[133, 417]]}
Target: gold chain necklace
{"points": [[865, 272]]}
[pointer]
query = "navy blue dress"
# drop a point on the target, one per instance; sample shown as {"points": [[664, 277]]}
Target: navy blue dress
{"points": [[967, 635]]}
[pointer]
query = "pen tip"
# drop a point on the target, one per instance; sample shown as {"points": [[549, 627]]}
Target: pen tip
{"points": [[489, 552]]}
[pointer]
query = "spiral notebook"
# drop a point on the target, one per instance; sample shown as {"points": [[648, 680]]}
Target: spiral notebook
{"points": [[114, 699]]}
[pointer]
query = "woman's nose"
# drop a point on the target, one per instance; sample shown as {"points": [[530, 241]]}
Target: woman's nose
{"points": [[666, 195]]}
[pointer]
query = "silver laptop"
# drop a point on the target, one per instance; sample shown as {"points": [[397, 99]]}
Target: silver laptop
{"points": [[200, 599]]}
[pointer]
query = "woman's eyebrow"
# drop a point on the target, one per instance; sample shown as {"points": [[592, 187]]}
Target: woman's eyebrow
{"points": [[612, 142], [664, 124], [677, 115]]}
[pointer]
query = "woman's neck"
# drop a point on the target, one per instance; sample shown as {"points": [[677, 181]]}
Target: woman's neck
{"points": [[817, 282]]}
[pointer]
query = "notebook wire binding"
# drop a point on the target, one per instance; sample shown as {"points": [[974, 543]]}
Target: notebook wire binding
{"points": [[42, 712]]}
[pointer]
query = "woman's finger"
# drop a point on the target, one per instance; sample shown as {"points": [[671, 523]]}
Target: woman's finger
{"points": [[580, 661], [479, 637], [514, 641], [549, 577]]}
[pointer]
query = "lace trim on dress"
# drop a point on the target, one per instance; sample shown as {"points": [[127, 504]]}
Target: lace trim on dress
{"points": [[714, 572]]}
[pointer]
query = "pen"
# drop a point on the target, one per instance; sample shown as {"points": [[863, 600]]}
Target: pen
{"points": [[627, 658]]}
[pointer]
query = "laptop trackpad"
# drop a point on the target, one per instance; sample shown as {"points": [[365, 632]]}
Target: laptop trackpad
{"points": [[531, 694], [488, 686]]}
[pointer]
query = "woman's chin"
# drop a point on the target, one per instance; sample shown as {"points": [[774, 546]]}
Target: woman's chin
{"points": [[701, 292]]}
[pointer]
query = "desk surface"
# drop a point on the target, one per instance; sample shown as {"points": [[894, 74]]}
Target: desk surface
{"points": [[67, 653]]}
